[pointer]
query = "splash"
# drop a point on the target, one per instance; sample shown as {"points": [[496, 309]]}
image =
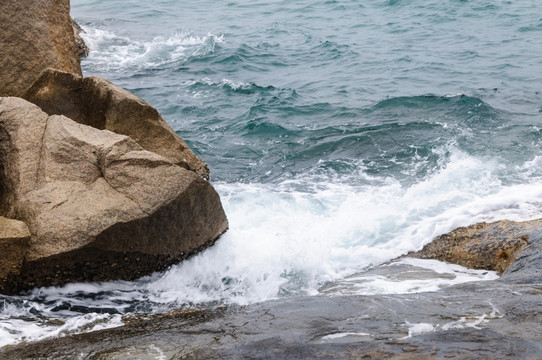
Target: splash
{"points": [[113, 53]]}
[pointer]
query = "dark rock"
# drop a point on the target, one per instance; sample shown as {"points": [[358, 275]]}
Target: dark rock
{"points": [[14, 243], [98, 103], [34, 35], [93, 198], [81, 45]]}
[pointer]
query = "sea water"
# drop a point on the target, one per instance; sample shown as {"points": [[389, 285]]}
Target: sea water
{"points": [[339, 134]]}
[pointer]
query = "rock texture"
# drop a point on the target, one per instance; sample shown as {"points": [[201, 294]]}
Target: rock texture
{"points": [[491, 246], [81, 46], [34, 35], [98, 205], [14, 242], [98, 103]]}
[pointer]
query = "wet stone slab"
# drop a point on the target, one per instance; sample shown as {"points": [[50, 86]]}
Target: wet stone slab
{"points": [[476, 320]]}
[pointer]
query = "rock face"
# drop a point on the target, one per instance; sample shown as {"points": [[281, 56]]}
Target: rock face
{"points": [[34, 35], [98, 205], [98, 103], [491, 246], [14, 242]]}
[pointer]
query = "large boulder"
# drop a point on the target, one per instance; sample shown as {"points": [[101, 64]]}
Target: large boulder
{"points": [[98, 103], [34, 35], [98, 205]]}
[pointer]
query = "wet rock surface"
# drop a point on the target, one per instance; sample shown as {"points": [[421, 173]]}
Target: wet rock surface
{"points": [[497, 319], [446, 324], [82, 47]]}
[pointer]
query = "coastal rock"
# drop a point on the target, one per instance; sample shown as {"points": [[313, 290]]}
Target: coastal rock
{"points": [[34, 35], [81, 45], [98, 103], [98, 205], [14, 242], [490, 246]]}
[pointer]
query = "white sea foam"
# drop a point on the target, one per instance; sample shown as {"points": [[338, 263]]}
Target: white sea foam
{"points": [[473, 321], [227, 83], [342, 335], [112, 52], [418, 329], [13, 330], [285, 241], [421, 275], [295, 238]]}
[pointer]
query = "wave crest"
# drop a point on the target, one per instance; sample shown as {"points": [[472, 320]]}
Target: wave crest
{"points": [[112, 52]]}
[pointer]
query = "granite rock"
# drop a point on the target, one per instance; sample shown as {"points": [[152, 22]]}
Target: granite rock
{"points": [[34, 36], [97, 204], [98, 103]]}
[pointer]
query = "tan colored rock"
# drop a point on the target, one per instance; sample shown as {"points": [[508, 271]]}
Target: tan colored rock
{"points": [[14, 242], [98, 205], [34, 36], [98, 103], [489, 246]]}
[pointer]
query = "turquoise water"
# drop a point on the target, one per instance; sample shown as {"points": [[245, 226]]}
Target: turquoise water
{"points": [[340, 134], [267, 90]]}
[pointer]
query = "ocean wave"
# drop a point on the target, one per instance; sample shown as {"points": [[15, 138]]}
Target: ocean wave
{"points": [[456, 101], [303, 236], [230, 86], [112, 52]]}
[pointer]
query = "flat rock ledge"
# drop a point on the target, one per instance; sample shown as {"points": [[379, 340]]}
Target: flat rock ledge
{"points": [[98, 206], [497, 319]]}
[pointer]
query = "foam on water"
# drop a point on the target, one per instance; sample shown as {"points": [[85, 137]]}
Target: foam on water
{"points": [[15, 330], [288, 242], [475, 321], [112, 52], [418, 329], [342, 335], [417, 276], [292, 239]]}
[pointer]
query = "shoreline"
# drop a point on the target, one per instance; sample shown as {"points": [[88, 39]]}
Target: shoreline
{"points": [[472, 319]]}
